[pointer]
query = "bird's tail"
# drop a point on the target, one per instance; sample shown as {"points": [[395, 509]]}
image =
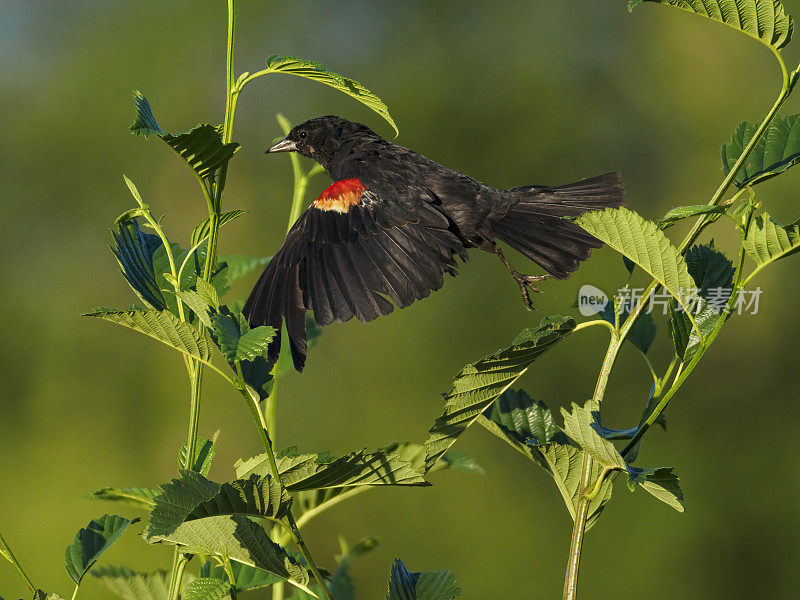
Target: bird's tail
{"points": [[534, 226]]}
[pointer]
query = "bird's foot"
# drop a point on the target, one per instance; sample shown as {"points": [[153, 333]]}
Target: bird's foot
{"points": [[525, 283]]}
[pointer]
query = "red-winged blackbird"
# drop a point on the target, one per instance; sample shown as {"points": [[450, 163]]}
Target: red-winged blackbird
{"points": [[392, 224]]}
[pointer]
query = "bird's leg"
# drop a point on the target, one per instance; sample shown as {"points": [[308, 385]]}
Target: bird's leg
{"points": [[525, 282]]}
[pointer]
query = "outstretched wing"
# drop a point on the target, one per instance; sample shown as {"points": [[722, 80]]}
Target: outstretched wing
{"points": [[352, 254]]}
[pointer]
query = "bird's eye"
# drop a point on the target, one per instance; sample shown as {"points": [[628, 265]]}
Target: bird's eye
{"points": [[303, 135]]}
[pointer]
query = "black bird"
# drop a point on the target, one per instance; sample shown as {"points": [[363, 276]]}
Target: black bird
{"points": [[392, 224]]}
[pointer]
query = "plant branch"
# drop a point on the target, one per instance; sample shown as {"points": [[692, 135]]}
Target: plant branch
{"points": [[5, 551]]}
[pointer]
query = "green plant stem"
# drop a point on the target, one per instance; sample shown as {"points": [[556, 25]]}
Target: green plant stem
{"points": [[253, 402], [5, 551], [175, 586], [277, 591], [75, 591], [582, 510]]}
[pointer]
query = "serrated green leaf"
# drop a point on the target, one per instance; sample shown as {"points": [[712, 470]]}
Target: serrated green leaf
{"points": [[292, 65], [661, 482], [646, 245], [480, 383], [192, 497], [192, 272], [134, 252], [90, 543], [207, 588], [163, 326], [241, 540], [712, 273], [208, 293], [767, 241], [205, 449], [203, 228], [578, 425], [202, 147], [246, 577], [197, 305], [641, 241], [763, 20], [140, 497], [145, 123], [428, 585], [776, 151], [254, 343], [686, 212], [318, 471], [132, 585], [529, 427]]}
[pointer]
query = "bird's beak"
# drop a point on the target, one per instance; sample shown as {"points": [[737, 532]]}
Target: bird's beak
{"points": [[285, 145]]}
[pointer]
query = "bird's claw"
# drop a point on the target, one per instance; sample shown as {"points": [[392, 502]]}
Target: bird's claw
{"points": [[526, 286]]}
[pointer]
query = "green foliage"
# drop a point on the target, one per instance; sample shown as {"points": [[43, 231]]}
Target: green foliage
{"points": [[316, 72], [163, 326], [680, 213], [662, 483], [140, 497], [480, 383], [132, 585], [203, 229], [767, 241], [777, 150], [204, 455], [246, 577], [320, 471], [134, 251], [90, 543], [643, 331], [192, 496], [529, 427], [429, 585], [237, 341], [207, 588], [239, 539], [764, 20], [645, 244], [202, 148], [578, 426]]}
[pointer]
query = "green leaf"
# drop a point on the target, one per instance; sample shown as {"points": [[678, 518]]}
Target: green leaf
{"points": [[202, 147], [192, 496], [90, 543], [776, 151], [528, 426], [712, 273], [132, 585], [429, 585], [686, 212], [239, 539], [134, 251], [207, 588], [197, 304], [767, 241], [578, 425], [203, 229], [208, 293], [140, 497], [646, 245], [662, 483], [763, 20], [318, 471], [240, 265], [292, 65], [254, 343], [205, 449], [145, 123], [163, 326], [246, 577], [480, 383], [237, 341], [192, 272]]}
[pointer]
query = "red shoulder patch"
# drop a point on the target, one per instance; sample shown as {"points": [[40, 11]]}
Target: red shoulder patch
{"points": [[340, 196]]}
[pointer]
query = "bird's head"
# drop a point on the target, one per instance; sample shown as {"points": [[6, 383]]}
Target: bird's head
{"points": [[320, 138]]}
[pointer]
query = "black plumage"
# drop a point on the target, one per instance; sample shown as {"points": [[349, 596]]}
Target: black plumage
{"points": [[392, 224]]}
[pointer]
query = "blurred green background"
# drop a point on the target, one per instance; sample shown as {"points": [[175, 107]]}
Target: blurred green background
{"points": [[512, 93]]}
